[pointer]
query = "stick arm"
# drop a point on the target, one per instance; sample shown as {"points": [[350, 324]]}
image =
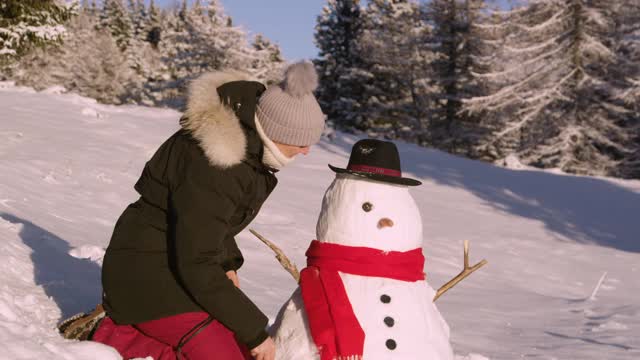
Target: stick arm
{"points": [[282, 258], [466, 271]]}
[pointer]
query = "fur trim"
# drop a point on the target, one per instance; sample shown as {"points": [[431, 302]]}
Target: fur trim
{"points": [[214, 125]]}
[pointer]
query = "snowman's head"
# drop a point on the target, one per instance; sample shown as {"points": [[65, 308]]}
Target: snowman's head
{"points": [[360, 212]]}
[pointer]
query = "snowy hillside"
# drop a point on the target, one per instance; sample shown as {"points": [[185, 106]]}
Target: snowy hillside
{"points": [[68, 166]]}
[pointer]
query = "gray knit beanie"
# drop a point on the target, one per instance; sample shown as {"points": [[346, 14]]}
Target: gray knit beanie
{"points": [[288, 112]]}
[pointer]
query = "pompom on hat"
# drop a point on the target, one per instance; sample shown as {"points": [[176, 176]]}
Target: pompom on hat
{"points": [[289, 112]]}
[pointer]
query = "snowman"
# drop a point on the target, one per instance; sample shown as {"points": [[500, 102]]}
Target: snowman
{"points": [[363, 294]]}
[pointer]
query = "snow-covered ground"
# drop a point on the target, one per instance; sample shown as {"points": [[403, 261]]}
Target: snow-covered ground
{"points": [[68, 166]]}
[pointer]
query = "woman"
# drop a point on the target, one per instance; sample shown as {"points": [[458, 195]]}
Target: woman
{"points": [[169, 273]]}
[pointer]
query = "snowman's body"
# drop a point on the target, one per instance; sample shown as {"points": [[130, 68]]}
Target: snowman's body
{"points": [[409, 322], [399, 318]]}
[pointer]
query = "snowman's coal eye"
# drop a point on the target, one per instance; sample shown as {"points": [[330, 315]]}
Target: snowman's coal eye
{"points": [[367, 206]]}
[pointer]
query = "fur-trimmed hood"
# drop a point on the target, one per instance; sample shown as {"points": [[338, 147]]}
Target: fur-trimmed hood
{"points": [[213, 124]]}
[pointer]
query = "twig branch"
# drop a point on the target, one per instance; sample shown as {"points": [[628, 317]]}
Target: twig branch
{"points": [[463, 274], [595, 290], [282, 258]]}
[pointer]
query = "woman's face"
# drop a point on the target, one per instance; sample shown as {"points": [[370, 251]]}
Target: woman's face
{"points": [[291, 151]]}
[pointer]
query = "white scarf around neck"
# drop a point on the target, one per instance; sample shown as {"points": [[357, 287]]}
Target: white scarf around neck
{"points": [[272, 156]]}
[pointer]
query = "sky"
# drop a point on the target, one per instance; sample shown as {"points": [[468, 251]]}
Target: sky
{"points": [[289, 23]]}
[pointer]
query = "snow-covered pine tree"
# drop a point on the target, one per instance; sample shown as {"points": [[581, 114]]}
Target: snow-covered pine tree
{"points": [[200, 39], [175, 48], [627, 69], [154, 25], [340, 65], [115, 17], [217, 44], [95, 10], [455, 46], [240, 51], [89, 62], [25, 24], [398, 57], [153, 73], [138, 19], [143, 58], [90, 7], [486, 42], [268, 63], [190, 41], [556, 100]]}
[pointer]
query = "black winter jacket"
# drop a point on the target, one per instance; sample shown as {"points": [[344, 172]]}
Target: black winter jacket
{"points": [[170, 249]]}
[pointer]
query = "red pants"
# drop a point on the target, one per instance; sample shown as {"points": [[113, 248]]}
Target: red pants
{"points": [[159, 338]]}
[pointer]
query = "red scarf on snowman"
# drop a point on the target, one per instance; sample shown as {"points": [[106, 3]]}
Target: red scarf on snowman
{"points": [[334, 327]]}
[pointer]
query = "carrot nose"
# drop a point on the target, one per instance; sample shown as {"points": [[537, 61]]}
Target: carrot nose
{"points": [[384, 222]]}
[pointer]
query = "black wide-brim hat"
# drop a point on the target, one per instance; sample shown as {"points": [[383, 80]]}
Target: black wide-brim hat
{"points": [[377, 160]]}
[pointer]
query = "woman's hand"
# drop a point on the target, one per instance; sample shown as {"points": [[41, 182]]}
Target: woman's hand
{"points": [[265, 351], [233, 276]]}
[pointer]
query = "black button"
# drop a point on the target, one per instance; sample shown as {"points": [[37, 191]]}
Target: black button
{"points": [[389, 321], [391, 344], [385, 298]]}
